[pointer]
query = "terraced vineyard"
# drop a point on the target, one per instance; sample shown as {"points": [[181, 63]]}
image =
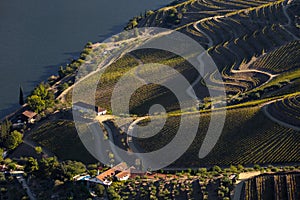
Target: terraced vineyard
{"points": [[255, 45], [236, 31], [286, 110], [282, 59], [252, 138], [279, 186]]}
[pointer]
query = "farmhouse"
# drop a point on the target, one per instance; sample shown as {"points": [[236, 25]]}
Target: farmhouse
{"points": [[28, 116], [89, 109], [123, 176], [120, 172]]}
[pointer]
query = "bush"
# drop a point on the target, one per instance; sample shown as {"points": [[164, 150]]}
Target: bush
{"points": [[72, 168], [38, 150], [13, 140], [216, 169], [99, 190], [256, 167]]}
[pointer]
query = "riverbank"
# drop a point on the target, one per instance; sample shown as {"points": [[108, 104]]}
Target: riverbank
{"points": [[40, 36]]}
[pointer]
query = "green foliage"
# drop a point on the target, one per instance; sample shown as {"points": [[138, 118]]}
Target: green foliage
{"points": [[38, 150], [202, 170], [61, 72], [31, 165], [132, 24], [148, 13], [233, 169], [5, 128], [12, 166], [240, 167], [21, 97], [41, 98], [216, 169], [99, 190], [256, 167], [1, 154], [36, 103], [13, 140], [63, 87], [72, 168], [49, 167], [173, 17]]}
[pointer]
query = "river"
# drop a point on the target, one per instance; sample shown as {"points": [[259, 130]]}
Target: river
{"points": [[36, 37]]}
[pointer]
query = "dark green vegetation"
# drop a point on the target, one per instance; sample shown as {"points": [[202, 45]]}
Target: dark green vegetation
{"points": [[197, 184], [272, 186], [9, 139], [10, 188], [61, 138], [48, 176]]}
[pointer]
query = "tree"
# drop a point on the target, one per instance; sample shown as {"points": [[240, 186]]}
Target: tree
{"points": [[240, 167], [1, 154], [5, 130], [61, 72], [72, 168], [38, 150], [49, 167], [217, 169], [256, 167], [41, 98], [13, 140], [63, 87], [233, 169], [32, 165], [21, 97], [99, 190], [202, 170], [36, 103]]}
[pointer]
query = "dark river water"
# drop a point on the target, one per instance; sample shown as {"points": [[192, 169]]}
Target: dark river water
{"points": [[36, 36]]}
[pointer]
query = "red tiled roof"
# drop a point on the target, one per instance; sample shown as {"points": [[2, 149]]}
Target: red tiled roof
{"points": [[122, 174], [109, 173], [101, 109], [29, 114]]}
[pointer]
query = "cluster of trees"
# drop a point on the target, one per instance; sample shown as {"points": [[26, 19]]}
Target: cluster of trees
{"points": [[135, 20], [42, 97], [9, 139], [75, 64], [51, 168], [173, 16]]}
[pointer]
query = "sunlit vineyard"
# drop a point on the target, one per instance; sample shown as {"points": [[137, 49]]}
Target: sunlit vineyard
{"points": [[235, 32], [281, 59], [278, 186]]}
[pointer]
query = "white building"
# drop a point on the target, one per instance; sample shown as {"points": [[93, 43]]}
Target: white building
{"points": [[89, 109]]}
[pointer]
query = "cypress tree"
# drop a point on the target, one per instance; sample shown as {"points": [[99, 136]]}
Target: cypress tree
{"points": [[21, 97]]}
